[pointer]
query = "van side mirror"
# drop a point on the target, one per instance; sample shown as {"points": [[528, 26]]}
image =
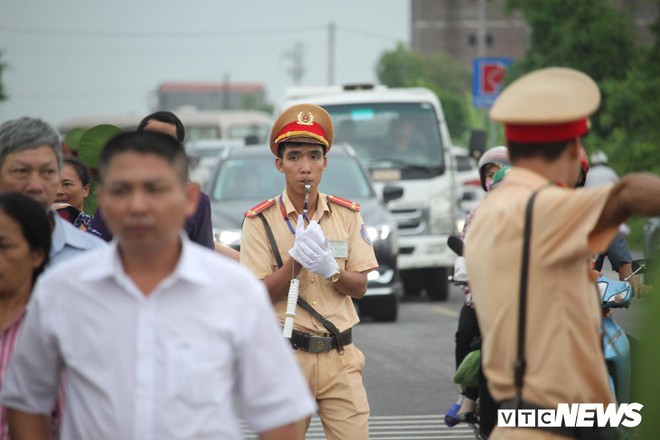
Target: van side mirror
{"points": [[391, 192], [477, 142]]}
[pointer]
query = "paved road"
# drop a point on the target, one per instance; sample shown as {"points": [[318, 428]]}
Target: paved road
{"points": [[408, 374], [397, 428]]}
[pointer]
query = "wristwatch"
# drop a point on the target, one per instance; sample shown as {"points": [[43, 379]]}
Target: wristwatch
{"points": [[334, 277]]}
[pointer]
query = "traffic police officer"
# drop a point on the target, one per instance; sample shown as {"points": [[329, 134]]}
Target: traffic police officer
{"points": [[322, 243], [545, 116]]}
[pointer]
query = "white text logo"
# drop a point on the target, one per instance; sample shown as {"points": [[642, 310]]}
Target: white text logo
{"points": [[578, 415]]}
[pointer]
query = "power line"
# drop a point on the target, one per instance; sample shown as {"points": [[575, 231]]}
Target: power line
{"points": [[72, 33], [368, 34]]}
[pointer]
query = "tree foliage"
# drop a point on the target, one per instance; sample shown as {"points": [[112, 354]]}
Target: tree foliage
{"points": [[444, 75], [598, 39], [588, 35]]}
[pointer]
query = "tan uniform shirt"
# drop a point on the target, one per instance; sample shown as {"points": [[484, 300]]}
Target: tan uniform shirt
{"points": [[563, 343], [338, 224]]}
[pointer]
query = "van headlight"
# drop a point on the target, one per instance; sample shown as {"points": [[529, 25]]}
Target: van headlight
{"points": [[227, 236]]}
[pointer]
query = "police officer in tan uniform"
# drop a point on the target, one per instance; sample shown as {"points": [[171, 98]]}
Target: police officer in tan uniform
{"points": [[545, 116], [328, 251]]}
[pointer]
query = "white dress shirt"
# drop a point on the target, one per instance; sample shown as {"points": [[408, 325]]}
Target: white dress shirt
{"points": [[68, 241], [184, 362]]}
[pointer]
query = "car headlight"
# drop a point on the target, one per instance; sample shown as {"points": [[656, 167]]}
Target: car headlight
{"points": [[227, 237], [380, 232], [460, 224]]}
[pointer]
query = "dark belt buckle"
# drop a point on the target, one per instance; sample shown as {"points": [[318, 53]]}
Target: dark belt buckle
{"points": [[320, 344]]}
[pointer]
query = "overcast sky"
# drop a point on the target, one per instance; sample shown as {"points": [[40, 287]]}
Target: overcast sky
{"points": [[87, 57]]}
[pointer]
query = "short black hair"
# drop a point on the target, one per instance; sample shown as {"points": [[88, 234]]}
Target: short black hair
{"points": [[34, 223], [81, 169], [145, 142], [168, 118], [283, 145], [549, 151]]}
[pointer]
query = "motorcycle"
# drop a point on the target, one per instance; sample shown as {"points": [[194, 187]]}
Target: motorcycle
{"points": [[616, 345], [460, 279]]}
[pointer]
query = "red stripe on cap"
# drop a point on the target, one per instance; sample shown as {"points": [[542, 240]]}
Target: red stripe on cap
{"points": [[535, 134], [295, 128]]}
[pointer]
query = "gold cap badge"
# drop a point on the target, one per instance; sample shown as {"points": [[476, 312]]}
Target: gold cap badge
{"points": [[305, 118]]}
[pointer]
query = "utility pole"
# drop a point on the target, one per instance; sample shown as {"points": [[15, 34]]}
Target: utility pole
{"points": [[481, 29], [225, 91], [297, 70], [482, 32], [331, 53]]}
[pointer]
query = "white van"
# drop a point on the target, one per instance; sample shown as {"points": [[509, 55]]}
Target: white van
{"points": [[401, 136], [225, 124]]}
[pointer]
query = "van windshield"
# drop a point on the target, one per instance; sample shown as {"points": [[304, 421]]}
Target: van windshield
{"points": [[344, 177], [403, 136]]}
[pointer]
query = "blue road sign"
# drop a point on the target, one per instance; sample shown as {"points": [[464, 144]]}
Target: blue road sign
{"points": [[487, 79]]}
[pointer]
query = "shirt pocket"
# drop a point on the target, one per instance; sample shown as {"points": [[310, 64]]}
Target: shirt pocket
{"points": [[196, 370]]}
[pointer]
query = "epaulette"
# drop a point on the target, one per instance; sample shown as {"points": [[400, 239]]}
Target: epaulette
{"points": [[258, 208], [345, 203]]}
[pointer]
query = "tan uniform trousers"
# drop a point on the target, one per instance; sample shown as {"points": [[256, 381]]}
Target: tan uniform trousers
{"points": [[335, 381], [524, 434]]}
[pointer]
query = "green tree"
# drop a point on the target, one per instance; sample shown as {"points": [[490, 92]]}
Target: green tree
{"points": [[595, 37], [444, 75], [588, 35]]}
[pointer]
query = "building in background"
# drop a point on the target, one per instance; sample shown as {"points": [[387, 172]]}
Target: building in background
{"points": [[173, 96], [454, 27]]}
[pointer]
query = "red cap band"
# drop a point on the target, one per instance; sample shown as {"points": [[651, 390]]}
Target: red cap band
{"points": [[294, 129], [536, 134]]}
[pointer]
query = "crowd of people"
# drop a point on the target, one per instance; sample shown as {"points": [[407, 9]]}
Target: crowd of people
{"points": [[131, 322]]}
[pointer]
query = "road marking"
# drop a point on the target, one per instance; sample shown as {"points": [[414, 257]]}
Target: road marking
{"points": [[446, 311], [422, 427]]}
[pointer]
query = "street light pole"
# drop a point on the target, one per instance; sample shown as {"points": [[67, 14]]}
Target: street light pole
{"points": [[331, 53]]}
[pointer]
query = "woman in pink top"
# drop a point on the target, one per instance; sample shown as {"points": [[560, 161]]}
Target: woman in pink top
{"points": [[24, 247]]}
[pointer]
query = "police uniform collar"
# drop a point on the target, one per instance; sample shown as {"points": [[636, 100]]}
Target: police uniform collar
{"points": [[519, 176], [321, 206]]}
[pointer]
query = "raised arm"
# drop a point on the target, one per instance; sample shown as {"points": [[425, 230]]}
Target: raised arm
{"points": [[634, 194]]}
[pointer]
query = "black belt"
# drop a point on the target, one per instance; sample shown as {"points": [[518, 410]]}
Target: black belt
{"points": [[596, 433], [319, 343]]}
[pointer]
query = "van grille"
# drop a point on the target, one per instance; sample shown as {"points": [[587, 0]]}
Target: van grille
{"points": [[411, 221]]}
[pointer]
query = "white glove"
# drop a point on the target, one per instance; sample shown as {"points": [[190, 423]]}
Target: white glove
{"points": [[314, 233], [315, 258], [300, 234]]}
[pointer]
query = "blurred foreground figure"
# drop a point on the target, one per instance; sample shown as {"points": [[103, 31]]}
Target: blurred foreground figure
{"points": [[151, 345]]}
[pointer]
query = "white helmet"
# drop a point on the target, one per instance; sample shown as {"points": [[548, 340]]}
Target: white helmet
{"points": [[598, 158], [497, 155]]}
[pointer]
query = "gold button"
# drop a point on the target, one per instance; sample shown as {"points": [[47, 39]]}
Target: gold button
{"points": [[313, 302], [311, 281]]}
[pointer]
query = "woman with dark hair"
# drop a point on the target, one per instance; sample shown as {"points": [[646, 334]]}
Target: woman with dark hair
{"points": [[25, 239], [75, 184]]}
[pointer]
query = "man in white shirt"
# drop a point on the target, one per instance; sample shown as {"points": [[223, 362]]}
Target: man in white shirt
{"points": [[160, 338], [30, 163]]}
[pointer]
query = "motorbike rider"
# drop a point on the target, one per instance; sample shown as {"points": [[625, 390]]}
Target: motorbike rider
{"points": [[618, 252], [467, 332]]}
